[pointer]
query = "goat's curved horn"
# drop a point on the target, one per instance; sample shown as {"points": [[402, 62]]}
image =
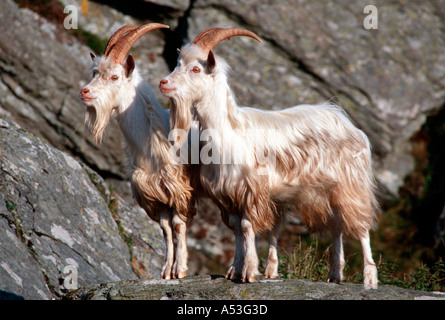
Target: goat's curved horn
{"points": [[121, 48], [207, 40], [202, 34], [116, 36]]}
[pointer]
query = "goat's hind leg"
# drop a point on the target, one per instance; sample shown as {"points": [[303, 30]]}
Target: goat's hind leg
{"points": [[370, 279], [167, 229], [271, 270], [337, 260]]}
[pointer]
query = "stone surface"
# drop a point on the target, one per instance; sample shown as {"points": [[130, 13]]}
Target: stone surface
{"points": [[54, 213], [218, 288]]}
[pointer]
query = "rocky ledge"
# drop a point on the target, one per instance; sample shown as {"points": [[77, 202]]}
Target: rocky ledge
{"points": [[216, 287]]}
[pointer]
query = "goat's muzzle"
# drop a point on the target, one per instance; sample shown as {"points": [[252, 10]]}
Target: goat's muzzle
{"points": [[164, 87], [85, 95]]}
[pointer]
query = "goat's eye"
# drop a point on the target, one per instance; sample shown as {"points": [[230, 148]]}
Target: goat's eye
{"points": [[114, 77], [196, 70]]}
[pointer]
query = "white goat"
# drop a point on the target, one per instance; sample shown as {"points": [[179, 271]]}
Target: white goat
{"points": [[161, 186], [317, 160]]}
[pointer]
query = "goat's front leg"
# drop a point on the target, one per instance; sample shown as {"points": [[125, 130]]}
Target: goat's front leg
{"points": [[167, 229], [180, 265], [250, 267], [271, 270], [235, 270]]}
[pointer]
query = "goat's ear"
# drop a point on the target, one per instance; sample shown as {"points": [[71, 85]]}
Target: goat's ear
{"points": [[129, 66], [92, 55], [211, 63]]}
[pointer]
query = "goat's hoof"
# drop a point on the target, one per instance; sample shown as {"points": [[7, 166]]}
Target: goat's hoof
{"points": [[233, 277], [232, 274], [334, 280], [181, 275], [370, 277], [371, 283], [270, 273], [250, 279], [166, 273]]}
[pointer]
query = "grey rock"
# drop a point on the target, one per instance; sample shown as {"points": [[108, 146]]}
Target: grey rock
{"points": [[144, 237], [20, 274], [178, 6], [56, 213], [218, 288]]}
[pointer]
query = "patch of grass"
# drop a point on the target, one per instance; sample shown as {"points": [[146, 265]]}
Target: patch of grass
{"points": [[10, 206], [305, 262], [423, 278]]}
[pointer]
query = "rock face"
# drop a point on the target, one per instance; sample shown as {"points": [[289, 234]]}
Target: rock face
{"points": [[56, 213], [218, 288]]}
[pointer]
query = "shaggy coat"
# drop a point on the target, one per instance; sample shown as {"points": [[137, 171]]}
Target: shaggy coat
{"points": [[161, 186], [310, 156]]}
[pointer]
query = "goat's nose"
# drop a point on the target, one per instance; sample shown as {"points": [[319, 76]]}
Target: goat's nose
{"points": [[84, 91], [163, 81]]}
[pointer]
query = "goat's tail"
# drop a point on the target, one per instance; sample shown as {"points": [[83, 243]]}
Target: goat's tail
{"points": [[354, 197]]}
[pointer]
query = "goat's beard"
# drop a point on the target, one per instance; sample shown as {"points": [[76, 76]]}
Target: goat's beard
{"points": [[97, 121], [180, 113]]}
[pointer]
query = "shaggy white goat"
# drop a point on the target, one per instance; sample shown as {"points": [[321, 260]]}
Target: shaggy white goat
{"points": [[316, 160], [161, 186]]}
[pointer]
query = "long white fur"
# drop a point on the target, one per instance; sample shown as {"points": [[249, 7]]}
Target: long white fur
{"points": [[322, 165], [161, 186]]}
